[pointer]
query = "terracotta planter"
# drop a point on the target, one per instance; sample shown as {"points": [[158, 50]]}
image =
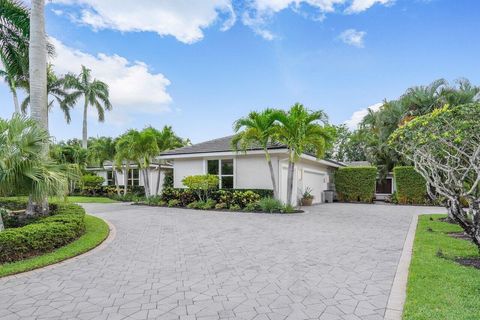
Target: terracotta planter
{"points": [[307, 201]]}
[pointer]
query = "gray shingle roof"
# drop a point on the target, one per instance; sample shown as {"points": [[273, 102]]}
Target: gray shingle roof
{"points": [[216, 145]]}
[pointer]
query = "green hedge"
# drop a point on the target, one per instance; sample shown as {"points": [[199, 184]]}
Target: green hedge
{"points": [[411, 186], [356, 183], [63, 226]]}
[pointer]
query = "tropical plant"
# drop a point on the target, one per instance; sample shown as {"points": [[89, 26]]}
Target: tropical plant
{"points": [[202, 185], [445, 148], [166, 140], [14, 41], [103, 149], [11, 81], [56, 90], [270, 205], [24, 168], [301, 131], [94, 92], [257, 129]]}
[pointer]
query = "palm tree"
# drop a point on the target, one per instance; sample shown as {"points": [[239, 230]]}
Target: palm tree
{"points": [[301, 132], [94, 92], [101, 150], [258, 128], [166, 140], [9, 78], [24, 169], [14, 37], [55, 89], [424, 99]]}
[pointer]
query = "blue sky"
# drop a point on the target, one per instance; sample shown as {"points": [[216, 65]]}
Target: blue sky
{"points": [[200, 65]]}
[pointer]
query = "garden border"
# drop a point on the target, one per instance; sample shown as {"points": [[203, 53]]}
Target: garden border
{"points": [[398, 291], [111, 236]]}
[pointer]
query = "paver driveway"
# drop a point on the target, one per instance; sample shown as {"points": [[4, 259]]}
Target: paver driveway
{"points": [[337, 261]]}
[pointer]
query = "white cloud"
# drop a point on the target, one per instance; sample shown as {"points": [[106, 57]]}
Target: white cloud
{"points": [[353, 37], [133, 88], [362, 5], [358, 116], [187, 19], [183, 19]]}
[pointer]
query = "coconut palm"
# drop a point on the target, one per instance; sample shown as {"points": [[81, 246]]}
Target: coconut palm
{"points": [[257, 129], [94, 92], [301, 130], [24, 169], [14, 36], [421, 100], [57, 93]]}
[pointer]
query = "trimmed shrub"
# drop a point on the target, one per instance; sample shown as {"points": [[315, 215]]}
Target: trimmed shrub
{"points": [[91, 184], [63, 226], [356, 183], [201, 184], [411, 186]]}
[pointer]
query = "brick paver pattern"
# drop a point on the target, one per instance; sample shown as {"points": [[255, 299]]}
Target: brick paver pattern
{"points": [[335, 262]]}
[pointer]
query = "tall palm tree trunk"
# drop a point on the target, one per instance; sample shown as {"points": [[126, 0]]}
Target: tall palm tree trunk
{"points": [[15, 100], [84, 128], [146, 183], [159, 176], [38, 82], [291, 170], [2, 227], [117, 185], [272, 174]]}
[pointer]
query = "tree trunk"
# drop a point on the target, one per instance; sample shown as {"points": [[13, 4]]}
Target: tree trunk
{"points": [[84, 127], [15, 100], [125, 180], [38, 65], [291, 170], [272, 175], [37, 208], [37, 56], [146, 183], [157, 188], [117, 185], [2, 226]]}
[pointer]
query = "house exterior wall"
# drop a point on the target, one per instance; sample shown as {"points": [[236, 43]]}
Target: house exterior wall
{"points": [[250, 171], [186, 167]]}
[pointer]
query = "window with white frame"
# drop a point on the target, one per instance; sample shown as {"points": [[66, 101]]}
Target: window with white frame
{"points": [[223, 168], [134, 177]]}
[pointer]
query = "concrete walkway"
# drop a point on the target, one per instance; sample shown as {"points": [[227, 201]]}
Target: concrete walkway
{"points": [[336, 261]]}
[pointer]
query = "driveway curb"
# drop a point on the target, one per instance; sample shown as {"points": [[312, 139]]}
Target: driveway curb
{"points": [[111, 236], [398, 293]]}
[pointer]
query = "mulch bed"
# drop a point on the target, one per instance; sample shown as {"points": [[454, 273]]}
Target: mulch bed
{"points": [[472, 262]]}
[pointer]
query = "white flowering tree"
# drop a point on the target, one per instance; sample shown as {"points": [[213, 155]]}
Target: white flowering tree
{"points": [[445, 148]]}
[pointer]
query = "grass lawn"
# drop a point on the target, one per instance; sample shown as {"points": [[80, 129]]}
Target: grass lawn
{"points": [[439, 288], [79, 199], [75, 199], [96, 231]]}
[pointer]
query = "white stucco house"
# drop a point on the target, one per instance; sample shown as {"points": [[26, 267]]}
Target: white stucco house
{"points": [[249, 170], [132, 177]]}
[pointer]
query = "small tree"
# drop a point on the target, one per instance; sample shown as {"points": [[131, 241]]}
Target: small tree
{"points": [[201, 184], [445, 148]]}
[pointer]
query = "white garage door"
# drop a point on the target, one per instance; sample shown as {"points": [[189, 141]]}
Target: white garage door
{"points": [[317, 182]]}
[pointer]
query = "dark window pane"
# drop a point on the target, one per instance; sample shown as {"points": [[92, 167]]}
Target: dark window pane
{"points": [[135, 173], [227, 166], [212, 166], [227, 182]]}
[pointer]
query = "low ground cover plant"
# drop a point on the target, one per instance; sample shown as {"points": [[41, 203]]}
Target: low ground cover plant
{"points": [[18, 241]]}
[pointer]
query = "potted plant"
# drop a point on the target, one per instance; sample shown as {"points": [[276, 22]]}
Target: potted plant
{"points": [[307, 197]]}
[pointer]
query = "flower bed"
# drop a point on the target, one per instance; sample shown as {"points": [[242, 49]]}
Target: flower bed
{"points": [[19, 241], [221, 200]]}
